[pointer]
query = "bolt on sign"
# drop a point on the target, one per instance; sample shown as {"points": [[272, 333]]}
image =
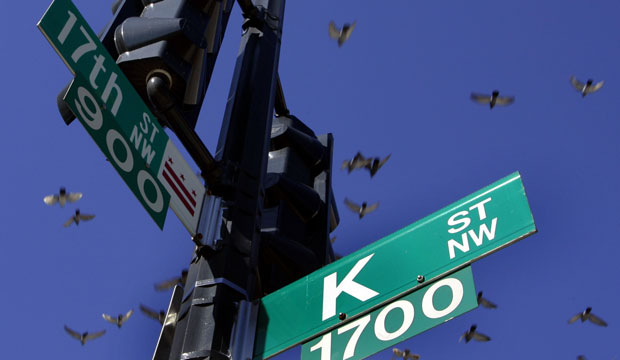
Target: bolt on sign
{"points": [[401, 319], [119, 122], [432, 248]]}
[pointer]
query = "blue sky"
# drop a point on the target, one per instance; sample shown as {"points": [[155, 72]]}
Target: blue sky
{"points": [[400, 85]]}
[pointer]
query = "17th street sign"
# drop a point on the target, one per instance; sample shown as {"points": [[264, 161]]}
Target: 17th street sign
{"points": [[403, 318], [120, 123], [441, 243]]}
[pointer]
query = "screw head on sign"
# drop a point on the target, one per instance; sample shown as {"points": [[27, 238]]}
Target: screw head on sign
{"points": [[420, 278], [342, 316]]}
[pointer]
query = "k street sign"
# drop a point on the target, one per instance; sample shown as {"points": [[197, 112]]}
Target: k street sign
{"points": [[119, 122], [438, 245], [401, 319]]}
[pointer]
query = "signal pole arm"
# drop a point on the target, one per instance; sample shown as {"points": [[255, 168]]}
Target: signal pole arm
{"points": [[164, 101]]}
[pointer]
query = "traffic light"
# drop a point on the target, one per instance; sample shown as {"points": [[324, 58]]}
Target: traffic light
{"points": [[177, 40], [299, 211]]}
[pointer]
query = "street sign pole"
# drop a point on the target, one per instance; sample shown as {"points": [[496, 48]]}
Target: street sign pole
{"points": [[223, 273]]}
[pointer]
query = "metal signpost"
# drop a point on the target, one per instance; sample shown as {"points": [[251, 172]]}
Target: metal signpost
{"points": [[119, 122], [443, 242], [399, 320]]}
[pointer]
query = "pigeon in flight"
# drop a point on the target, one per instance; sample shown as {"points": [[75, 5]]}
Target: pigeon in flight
{"points": [[85, 336], [77, 217], [159, 316], [472, 334], [586, 88], [484, 302], [62, 197], [361, 210], [168, 284], [340, 35], [404, 354], [587, 315], [118, 320], [493, 99], [375, 164], [358, 162]]}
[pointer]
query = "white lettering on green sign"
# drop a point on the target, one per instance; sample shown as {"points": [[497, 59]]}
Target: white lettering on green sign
{"points": [[460, 221], [404, 306], [331, 289]]}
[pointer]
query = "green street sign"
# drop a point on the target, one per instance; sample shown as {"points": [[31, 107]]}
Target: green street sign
{"points": [[403, 318], [105, 131], [120, 123], [441, 243], [108, 106]]}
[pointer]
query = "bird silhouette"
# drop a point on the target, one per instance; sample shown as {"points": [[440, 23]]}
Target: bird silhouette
{"points": [[170, 283], [118, 320], [484, 302], [404, 354], [493, 99], [586, 88], [358, 162], [153, 314], [581, 357], [361, 210], [473, 334], [587, 315], [375, 164], [341, 35], [62, 197], [77, 217], [85, 336]]}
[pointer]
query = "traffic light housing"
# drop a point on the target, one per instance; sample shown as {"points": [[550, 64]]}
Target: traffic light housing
{"points": [[299, 211], [179, 40], [176, 39]]}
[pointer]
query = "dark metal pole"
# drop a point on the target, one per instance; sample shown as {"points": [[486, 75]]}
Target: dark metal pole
{"points": [[223, 273]]}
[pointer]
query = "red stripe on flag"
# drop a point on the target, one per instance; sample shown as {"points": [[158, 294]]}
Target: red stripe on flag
{"points": [[178, 192], [180, 183]]}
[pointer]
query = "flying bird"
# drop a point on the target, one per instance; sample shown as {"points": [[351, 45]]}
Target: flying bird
{"points": [[168, 284], [581, 357], [405, 354], [472, 334], [586, 88], [62, 197], [159, 316], [85, 336], [484, 302], [375, 164], [361, 210], [358, 162], [118, 320], [341, 35], [493, 99], [587, 315], [77, 217]]}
